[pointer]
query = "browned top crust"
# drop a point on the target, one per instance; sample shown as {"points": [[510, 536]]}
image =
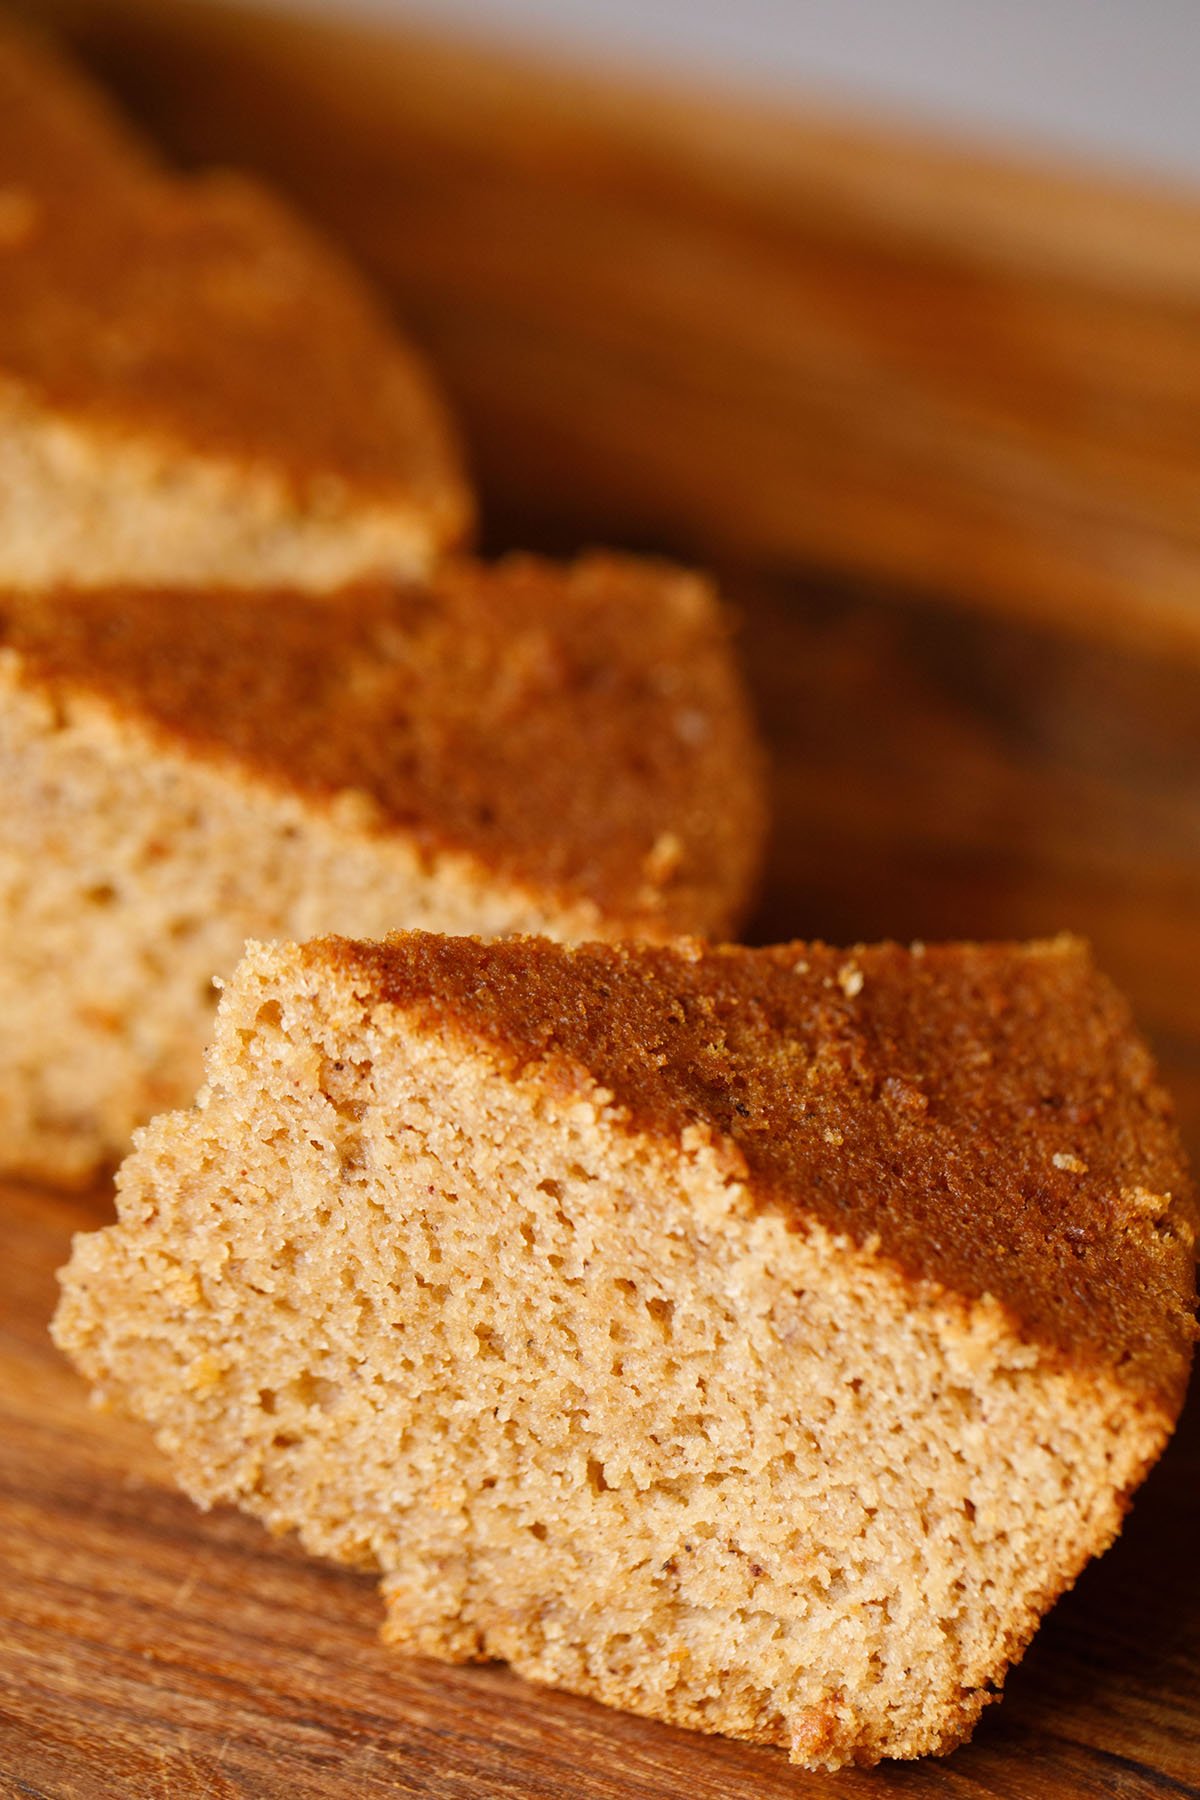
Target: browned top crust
{"points": [[55, 127], [581, 731], [985, 1114], [200, 314]]}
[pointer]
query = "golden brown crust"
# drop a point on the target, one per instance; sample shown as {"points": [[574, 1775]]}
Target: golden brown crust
{"points": [[579, 731], [54, 123], [985, 1114], [200, 314]]}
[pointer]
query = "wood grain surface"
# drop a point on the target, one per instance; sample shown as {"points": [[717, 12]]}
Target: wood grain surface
{"points": [[933, 774], [737, 327], [998, 757]]}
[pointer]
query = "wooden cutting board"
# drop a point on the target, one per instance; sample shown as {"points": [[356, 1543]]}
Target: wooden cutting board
{"points": [[1007, 751]]}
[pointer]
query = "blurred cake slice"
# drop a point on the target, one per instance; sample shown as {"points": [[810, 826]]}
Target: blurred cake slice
{"points": [[56, 126], [757, 1339], [193, 385], [518, 748]]}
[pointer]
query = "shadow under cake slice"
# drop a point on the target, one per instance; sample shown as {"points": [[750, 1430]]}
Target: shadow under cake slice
{"points": [[757, 1339], [526, 747], [193, 384]]}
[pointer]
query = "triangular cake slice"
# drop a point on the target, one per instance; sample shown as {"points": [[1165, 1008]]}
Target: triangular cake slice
{"points": [[193, 385], [525, 747], [758, 1339]]}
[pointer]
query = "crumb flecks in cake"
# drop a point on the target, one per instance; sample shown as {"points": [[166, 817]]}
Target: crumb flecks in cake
{"points": [[926, 1109], [473, 1266], [201, 315], [192, 371], [521, 715], [850, 979], [492, 752]]}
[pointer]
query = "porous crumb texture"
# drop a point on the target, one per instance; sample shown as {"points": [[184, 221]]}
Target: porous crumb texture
{"points": [[589, 1392], [524, 748], [192, 384]]}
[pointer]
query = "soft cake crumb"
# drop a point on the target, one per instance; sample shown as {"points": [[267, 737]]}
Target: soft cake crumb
{"points": [[183, 769], [553, 1308], [213, 393]]}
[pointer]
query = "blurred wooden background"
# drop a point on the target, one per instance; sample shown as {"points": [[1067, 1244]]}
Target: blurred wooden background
{"points": [[671, 316], [936, 418]]}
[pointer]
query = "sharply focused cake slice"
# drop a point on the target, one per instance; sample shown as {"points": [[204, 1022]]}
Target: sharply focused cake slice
{"points": [[519, 748], [757, 1339], [192, 384]]}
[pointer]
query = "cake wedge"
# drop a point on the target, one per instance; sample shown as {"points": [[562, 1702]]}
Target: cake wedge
{"points": [[757, 1339], [194, 385], [517, 747]]}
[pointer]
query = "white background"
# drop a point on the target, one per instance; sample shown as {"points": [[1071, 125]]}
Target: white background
{"points": [[1117, 80]]}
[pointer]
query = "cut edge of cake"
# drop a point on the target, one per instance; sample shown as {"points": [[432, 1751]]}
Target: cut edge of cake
{"points": [[174, 787], [584, 1396], [97, 502], [194, 382]]}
